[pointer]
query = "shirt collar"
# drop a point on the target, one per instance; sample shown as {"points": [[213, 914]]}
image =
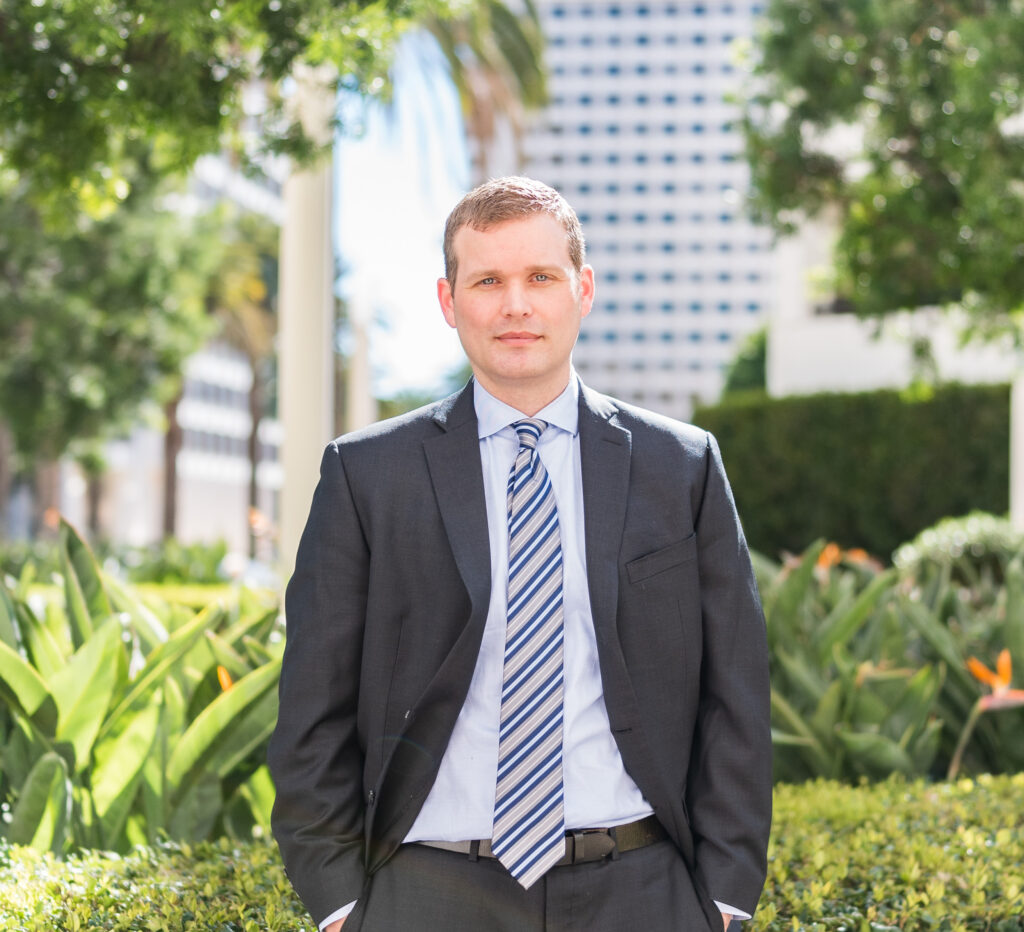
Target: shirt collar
{"points": [[493, 415]]}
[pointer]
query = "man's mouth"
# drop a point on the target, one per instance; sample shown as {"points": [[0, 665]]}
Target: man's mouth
{"points": [[518, 336]]}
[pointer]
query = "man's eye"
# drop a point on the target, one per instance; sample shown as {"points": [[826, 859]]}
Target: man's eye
{"points": [[488, 281], [541, 277]]}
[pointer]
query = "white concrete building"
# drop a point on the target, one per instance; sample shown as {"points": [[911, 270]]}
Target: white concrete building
{"points": [[813, 350], [642, 140]]}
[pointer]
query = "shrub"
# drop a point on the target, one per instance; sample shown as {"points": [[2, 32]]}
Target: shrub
{"points": [[869, 667], [119, 723], [865, 470], [894, 855], [975, 548]]}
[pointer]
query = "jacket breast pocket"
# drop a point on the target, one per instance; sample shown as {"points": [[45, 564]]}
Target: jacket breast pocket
{"points": [[644, 570]]}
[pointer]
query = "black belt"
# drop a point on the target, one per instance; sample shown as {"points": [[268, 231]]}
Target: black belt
{"points": [[581, 845]]}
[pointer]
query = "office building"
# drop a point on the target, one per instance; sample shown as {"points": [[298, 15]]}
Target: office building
{"points": [[641, 137]]}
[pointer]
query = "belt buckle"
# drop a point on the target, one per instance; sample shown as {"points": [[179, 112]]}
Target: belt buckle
{"points": [[590, 845]]}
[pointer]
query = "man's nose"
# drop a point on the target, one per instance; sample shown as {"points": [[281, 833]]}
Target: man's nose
{"points": [[515, 301]]}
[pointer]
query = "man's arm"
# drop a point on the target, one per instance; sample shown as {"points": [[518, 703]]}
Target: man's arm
{"points": [[314, 756], [730, 775]]}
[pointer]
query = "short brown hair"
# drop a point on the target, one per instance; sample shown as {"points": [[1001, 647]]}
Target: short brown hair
{"points": [[512, 198]]}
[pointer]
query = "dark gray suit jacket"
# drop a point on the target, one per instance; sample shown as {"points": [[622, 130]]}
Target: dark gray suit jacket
{"points": [[386, 611]]}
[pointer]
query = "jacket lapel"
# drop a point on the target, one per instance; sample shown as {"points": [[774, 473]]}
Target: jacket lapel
{"points": [[453, 458], [605, 450]]}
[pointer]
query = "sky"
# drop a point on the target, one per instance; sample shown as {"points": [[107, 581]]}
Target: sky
{"points": [[394, 185]]}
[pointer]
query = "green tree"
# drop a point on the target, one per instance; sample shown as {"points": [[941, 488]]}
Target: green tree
{"points": [[746, 372], [81, 82], [907, 118], [97, 318]]}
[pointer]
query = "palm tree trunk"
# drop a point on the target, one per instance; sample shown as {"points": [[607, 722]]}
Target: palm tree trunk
{"points": [[172, 447]]}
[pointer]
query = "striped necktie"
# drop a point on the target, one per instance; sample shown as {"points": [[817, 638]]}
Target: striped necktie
{"points": [[529, 823]]}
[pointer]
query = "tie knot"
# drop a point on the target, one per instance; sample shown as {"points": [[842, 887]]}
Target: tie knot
{"points": [[529, 431]]}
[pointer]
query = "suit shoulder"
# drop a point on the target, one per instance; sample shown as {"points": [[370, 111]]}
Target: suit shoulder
{"points": [[409, 427], [652, 427]]}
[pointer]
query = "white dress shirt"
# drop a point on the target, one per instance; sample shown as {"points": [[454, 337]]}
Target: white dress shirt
{"points": [[597, 790]]}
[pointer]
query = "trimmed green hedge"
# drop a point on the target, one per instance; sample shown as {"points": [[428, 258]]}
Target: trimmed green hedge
{"points": [[895, 855], [866, 470]]}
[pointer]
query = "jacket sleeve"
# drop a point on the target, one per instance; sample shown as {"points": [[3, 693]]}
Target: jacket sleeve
{"points": [[729, 794], [315, 756]]}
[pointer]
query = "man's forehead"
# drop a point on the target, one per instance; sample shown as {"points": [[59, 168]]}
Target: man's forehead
{"points": [[537, 236]]}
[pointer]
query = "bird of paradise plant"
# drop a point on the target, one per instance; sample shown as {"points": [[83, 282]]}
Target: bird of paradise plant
{"points": [[1001, 697]]}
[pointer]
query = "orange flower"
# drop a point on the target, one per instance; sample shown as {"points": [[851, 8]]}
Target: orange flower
{"points": [[224, 678], [1002, 696], [830, 556]]}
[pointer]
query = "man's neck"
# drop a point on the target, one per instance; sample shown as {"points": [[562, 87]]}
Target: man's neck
{"points": [[529, 399]]}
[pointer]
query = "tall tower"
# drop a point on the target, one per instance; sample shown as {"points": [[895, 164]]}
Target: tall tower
{"points": [[642, 140]]}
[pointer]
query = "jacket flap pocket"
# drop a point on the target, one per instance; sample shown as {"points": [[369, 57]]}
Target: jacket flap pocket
{"points": [[673, 555]]}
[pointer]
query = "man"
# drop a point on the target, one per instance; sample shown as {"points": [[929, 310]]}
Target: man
{"points": [[525, 686]]}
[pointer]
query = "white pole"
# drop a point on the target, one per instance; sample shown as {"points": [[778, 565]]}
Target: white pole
{"points": [[306, 344]]}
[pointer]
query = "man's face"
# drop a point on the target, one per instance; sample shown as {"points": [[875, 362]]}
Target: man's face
{"points": [[517, 305]]}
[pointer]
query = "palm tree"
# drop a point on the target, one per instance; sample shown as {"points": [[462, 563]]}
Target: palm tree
{"points": [[495, 57], [244, 298]]}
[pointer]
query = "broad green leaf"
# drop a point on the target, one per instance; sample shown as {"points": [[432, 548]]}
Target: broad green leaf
{"points": [[20, 748], [789, 717], [87, 601], [119, 760], [941, 640], [8, 624], [260, 653], [251, 731], [784, 738], [118, 770], [214, 725], [85, 688], [909, 715], [873, 754], [41, 815], [785, 601], [259, 792], [161, 661], [802, 677], [26, 691], [839, 627], [194, 817], [147, 625], [43, 648], [227, 657], [827, 715], [925, 746]]}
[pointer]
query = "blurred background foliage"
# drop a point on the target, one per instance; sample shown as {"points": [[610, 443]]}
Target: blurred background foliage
{"points": [[904, 120], [865, 469]]}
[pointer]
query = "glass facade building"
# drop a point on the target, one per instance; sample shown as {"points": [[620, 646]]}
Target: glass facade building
{"points": [[642, 139]]}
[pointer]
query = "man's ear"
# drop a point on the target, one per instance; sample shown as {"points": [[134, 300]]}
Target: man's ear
{"points": [[446, 300], [587, 290]]}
